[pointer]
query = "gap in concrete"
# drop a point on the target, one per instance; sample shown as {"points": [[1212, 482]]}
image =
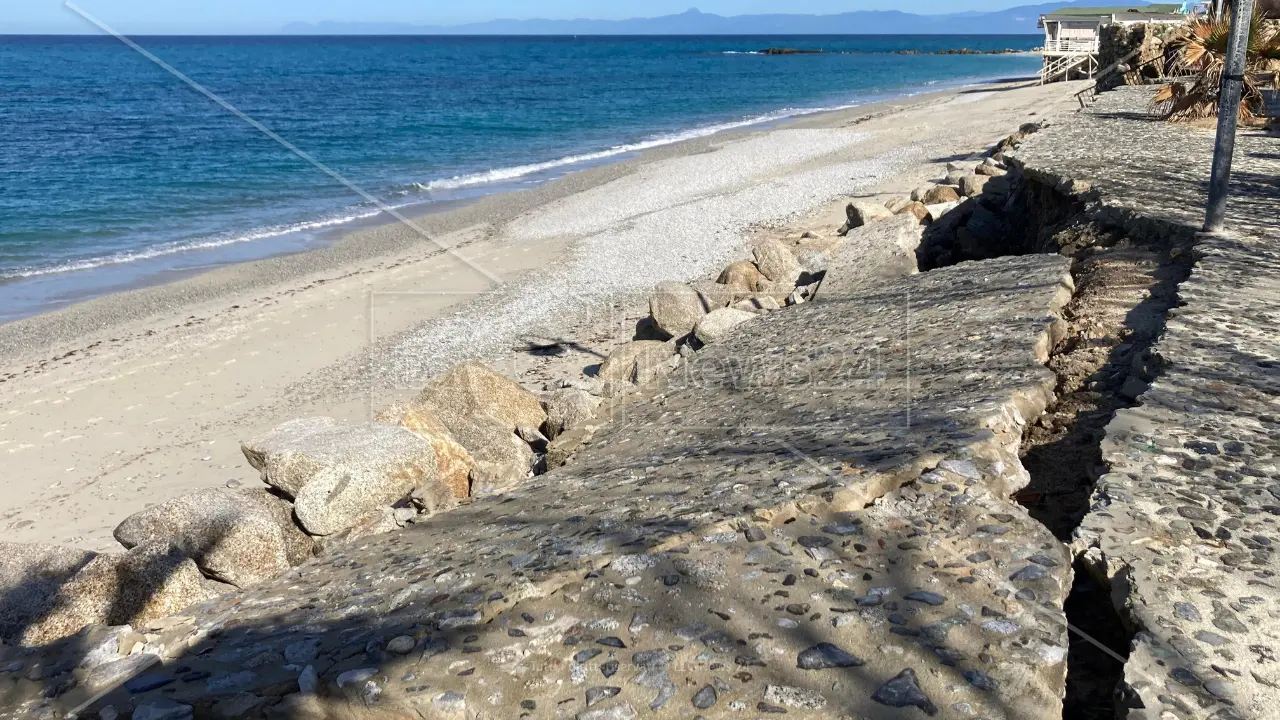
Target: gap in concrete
{"points": [[1124, 291]]}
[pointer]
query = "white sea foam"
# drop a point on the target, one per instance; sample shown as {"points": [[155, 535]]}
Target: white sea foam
{"points": [[518, 174], [175, 248], [520, 171]]}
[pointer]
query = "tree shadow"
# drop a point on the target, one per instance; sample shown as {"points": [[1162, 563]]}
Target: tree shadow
{"points": [[739, 440]]}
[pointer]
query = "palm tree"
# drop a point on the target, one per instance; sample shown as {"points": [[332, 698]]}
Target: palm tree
{"points": [[1200, 48]]}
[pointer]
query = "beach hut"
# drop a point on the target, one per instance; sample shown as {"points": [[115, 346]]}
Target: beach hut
{"points": [[1073, 35]]}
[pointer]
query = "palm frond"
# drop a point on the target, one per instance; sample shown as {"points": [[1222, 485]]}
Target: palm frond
{"points": [[1200, 48]]}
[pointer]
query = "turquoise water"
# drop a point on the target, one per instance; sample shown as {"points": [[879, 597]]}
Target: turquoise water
{"points": [[106, 160]]}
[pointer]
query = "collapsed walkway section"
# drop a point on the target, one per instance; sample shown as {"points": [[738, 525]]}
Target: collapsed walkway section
{"points": [[810, 518], [1182, 525]]}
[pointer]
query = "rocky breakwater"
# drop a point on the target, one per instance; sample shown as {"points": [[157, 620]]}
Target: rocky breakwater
{"points": [[808, 517], [80, 623]]}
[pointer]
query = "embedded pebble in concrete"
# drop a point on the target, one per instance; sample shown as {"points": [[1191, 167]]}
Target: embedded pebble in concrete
{"points": [[1185, 521], [640, 581]]}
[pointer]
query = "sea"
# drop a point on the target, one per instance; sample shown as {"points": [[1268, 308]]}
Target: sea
{"points": [[115, 171]]}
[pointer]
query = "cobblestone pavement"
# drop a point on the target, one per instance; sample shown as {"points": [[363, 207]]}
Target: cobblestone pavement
{"points": [[1150, 176], [712, 554], [1185, 523]]}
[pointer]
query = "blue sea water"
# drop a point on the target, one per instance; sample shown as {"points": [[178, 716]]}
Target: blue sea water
{"points": [[107, 160]]}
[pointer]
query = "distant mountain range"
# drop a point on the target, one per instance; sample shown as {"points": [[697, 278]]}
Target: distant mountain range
{"points": [[1014, 21]]}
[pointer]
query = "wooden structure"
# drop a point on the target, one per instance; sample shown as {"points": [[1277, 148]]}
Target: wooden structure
{"points": [[1073, 35]]}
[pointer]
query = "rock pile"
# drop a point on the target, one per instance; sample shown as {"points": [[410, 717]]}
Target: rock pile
{"points": [[966, 202], [470, 433], [687, 317]]}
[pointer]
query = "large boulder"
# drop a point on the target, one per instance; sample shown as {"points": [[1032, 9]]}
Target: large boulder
{"points": [[30, 575], [338, 473], [639, 362], [714, 295], [872, 254], [812, 260], [860, 213], [776, 262], [915, 209], [500, 458], [942, 210], [474, 389], [289, 455], [896, 204], [990, 168], [920, 192], [940, 194], [743, 275], [718, 325], [453, 461], [566, 445], [149, 582], [758, 304], [236, 537], [567, 409], [676, 308], [972, 184], [484, 412], [338, 496]]}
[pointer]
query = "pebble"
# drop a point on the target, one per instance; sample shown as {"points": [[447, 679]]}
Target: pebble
{"points": [[1000, 627], [308, 682], [1196, 513], [963, 468], [617, 712], [1029, 573], [145, 683], [842, 530], [357, 676], [450, 703], [162, 709], [1209, 637], [401, 645], [926, 597], [600, 693], [705, 698], [981, 680], [1186, 611], [824, 656], [904, 691], [794, 697], [650, 659]]}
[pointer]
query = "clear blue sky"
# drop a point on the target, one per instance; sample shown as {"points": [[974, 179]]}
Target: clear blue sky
{"points": [[264, 16]]}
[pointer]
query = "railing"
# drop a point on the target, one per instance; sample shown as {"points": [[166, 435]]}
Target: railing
{"points": [[1068, 45], [1062, 67], [1093, 89]]}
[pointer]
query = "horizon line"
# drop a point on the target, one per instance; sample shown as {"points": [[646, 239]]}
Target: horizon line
{"points": [[278, 33]]}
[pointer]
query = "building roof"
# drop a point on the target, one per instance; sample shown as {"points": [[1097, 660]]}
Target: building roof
{"points": [[1161, 9]]}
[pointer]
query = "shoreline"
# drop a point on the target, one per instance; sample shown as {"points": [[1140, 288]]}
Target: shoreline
{"points": [[303, 242], [134, 398]]}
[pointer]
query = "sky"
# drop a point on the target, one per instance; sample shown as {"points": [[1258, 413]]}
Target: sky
{"points": [[259, 16]]}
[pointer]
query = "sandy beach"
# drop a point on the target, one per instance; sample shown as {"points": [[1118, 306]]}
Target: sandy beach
{"points": [[135, 398]]}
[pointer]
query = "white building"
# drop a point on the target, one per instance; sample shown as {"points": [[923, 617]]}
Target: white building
{"points": [[1073, 36]]}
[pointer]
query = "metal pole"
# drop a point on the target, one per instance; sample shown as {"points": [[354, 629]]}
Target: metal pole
{"points": [[1228, 111]]}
